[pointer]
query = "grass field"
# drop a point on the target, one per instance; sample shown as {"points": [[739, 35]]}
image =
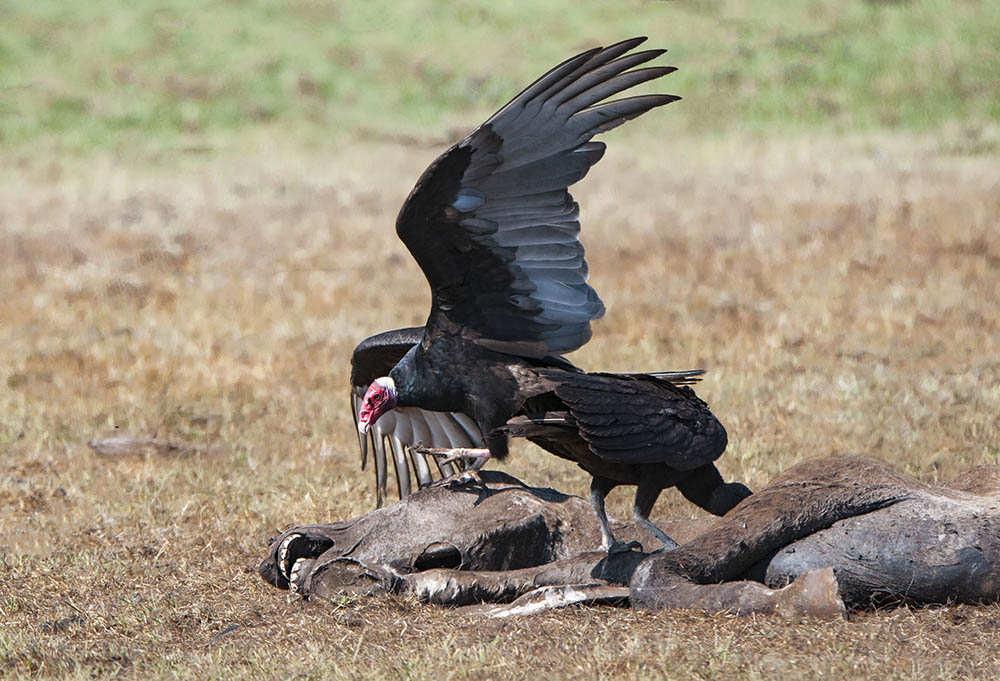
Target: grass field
{"points": [[191, 248], [153, 76]]}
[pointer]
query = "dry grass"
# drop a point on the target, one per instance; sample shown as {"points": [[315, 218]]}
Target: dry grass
{"points": [[843, 293]]}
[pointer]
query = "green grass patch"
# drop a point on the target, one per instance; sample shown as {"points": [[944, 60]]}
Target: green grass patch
{"points": [[148, 75]]}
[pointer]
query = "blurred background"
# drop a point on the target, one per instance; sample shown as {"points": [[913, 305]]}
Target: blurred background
{"points": [[146, 77], [196, 228]]}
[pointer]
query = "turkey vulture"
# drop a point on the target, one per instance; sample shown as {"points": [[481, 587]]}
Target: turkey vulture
{"points": [[495, 231]]}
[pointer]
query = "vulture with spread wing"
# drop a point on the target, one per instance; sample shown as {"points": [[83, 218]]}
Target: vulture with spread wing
{"points": [[496, 233]]}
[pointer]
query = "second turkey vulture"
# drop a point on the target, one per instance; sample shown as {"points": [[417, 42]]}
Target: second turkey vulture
{"points": [[495, 231]]}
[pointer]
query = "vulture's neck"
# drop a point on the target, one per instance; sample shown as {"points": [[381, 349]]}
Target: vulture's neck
{"points": [[428, 379]]}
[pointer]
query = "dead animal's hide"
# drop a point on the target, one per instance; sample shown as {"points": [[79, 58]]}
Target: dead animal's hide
{"points": [[888, 537], [502, 528], [827, 532]]}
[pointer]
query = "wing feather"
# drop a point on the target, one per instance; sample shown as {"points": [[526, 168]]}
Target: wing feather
{"points": [[640, 418], [492, 224], [402, 468], [421, 467], [381, 470], [376, 355], [398, 432]]}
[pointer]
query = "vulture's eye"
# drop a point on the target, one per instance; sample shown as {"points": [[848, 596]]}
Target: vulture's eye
{"points": [[376, 398]]}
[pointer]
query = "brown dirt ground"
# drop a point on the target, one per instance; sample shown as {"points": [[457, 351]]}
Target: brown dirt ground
{"points": [[843, 293]]}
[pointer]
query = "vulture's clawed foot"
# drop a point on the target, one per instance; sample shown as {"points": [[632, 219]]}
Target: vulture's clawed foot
{"points": [[663, 549], [622, 547], [653, 529], [460, 479], [477, 457], [668, 544]]}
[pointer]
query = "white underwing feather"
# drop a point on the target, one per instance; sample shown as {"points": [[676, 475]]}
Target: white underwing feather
{"points": [[398, 431]]}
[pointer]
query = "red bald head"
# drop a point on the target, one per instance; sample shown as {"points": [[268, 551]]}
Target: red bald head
{"points": [[380, 398]]}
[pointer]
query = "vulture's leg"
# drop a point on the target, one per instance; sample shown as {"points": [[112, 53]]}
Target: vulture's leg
{"points": [[599, 488], [646, 494], [469, 474], [478, 456]]}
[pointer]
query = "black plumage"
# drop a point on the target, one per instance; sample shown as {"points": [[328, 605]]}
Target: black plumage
{"points": [[492, 225]]}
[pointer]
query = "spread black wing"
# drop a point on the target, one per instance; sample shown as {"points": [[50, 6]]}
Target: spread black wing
{"points": [[377, 355], [491, 222], [399, 430]]}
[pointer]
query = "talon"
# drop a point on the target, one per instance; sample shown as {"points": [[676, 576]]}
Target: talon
{"points": [[668, 545], [468, 477], [477, 456], [622, 547]]}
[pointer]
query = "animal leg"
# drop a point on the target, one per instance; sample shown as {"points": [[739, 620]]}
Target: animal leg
{"points": [[646, 494], [599, 488]]}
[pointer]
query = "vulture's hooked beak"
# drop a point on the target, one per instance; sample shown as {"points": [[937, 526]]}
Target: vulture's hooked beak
{"points": [[363, 427]]}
